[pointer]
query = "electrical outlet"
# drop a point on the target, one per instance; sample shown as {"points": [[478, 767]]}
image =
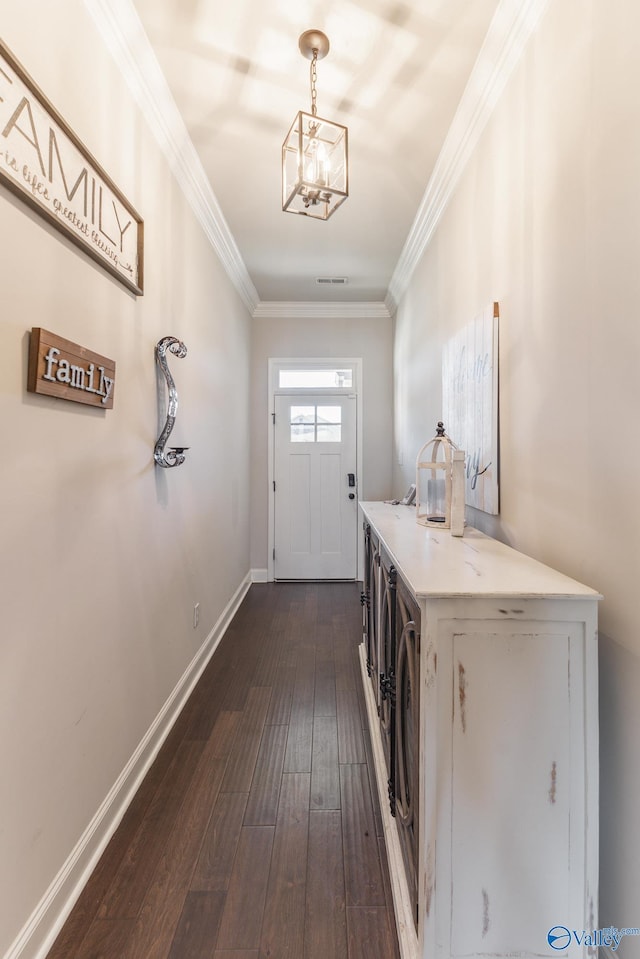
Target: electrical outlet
{"points": [[196, 615]]}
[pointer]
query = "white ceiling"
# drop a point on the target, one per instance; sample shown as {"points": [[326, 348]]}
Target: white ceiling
{"points": [[397, 75]]}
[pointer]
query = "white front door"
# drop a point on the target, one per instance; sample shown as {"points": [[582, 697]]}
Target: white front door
{"points": [[316, 501]]}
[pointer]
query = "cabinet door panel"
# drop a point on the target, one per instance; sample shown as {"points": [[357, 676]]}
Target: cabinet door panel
{"points": [[511, 782], [372, 561], [387, 660], [407, 728]]}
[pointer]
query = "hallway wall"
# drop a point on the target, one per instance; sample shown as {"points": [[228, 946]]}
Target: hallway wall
{"points": [[104, 554], [546, 220], [350, 337]]}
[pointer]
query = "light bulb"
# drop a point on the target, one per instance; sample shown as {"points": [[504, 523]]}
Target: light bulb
{"points": [[323, 166], [317, 167]]}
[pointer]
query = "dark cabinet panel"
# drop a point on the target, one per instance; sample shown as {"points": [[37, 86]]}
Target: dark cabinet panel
{"points": [[407, 733], [391, 627]]}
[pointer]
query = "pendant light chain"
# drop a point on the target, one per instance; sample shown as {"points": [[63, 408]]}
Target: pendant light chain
{"points": [[314, 77]]}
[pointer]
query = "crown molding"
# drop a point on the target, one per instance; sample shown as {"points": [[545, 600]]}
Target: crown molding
{"points": [[120, 27], [316, 310], [511, 27]]}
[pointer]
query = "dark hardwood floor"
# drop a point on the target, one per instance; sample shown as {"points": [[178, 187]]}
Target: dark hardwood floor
{"points": [[256, 834]]}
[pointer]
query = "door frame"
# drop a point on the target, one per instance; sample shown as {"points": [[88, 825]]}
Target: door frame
{"points": [[311, 363]]}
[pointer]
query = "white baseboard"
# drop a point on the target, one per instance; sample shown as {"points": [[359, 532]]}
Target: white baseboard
{"points": [[41, 929], [407, 938], [259, 576]]}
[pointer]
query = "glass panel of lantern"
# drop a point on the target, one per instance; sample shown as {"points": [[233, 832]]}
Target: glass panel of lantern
{"points": [[433, 481], [315, 178]]}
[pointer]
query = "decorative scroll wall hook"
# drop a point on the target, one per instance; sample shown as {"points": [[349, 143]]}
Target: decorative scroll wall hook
{"points": [[175, 455]]}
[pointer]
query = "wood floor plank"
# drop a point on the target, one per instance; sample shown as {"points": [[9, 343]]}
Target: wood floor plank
{"points": [[371, 934], [236, 683], [262, 806], [105, 939], [126, 893], [222, 742], [215, 862], [325, 932], [350, 741], [235, 954], [266, 671], [204, 705], [310, 608], [300, 738], [163, 904], [288, 655], [346, 675], [375, 800], [386, 878], [241, 923], [242, 763], [283, 923], [279, 711], [325, 775], [198, 926], [324, 702], [325, 615], [363, 875]]}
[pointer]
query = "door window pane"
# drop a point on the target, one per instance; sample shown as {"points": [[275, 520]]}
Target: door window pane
{"points": [[303, 424], [303, 433], [329, 433], [303, 414], [329, 414], [329, 429]]}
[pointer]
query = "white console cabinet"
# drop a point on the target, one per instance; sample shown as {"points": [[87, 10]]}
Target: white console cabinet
{"points": [[480, 672]]}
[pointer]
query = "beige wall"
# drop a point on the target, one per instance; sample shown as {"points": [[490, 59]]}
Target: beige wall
{"points": [[103, 555], [546, 221], [370, 339]]}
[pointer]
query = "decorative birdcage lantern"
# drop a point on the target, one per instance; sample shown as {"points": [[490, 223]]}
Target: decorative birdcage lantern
{"points": [[440, 484]]}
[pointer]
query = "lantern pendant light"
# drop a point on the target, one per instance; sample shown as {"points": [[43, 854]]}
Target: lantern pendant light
{"points": [[440, 484], [315, 174]]}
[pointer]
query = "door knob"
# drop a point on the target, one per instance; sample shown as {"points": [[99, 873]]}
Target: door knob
{"points": [[352, 495]]}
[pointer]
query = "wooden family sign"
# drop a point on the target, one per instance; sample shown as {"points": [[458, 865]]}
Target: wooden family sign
{"points": [[58, 367], [44, 163]]}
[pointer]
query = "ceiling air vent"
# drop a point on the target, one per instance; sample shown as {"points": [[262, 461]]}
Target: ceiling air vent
{"points": [[332, 280]]}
